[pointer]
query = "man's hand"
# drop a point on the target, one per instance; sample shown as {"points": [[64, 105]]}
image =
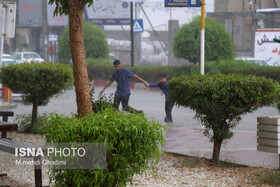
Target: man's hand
{"points": [[101, 92], [107, 84]]}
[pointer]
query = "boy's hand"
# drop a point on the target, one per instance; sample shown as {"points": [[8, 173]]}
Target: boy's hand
{"points": [[146, 85]]}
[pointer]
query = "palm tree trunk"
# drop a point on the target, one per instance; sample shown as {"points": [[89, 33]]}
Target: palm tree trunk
{"points": [[76, 11]]}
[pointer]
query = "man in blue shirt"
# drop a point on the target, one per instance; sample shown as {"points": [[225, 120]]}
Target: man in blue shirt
{"points": [[121, 76], [168, 104]]}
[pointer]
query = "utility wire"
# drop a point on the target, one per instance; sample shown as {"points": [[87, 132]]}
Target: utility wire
{"points": [[156, 33]]}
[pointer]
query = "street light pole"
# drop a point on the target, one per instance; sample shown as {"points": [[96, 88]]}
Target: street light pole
{"points": [[131, 34], [202, 39], [45, 30]]}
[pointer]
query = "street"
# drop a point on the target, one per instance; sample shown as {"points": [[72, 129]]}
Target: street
{"points": [[151, 101]]}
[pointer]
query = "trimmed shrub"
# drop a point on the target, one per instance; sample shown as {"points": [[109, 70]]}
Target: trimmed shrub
{"points": [[37, 82], [132, 144], [220, 100], [95, 42], [218, 43]]}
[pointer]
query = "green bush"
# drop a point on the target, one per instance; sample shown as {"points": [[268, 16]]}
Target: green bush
{"points": [[24, 123], [218, 43], [132, 143], [102, 102], [220, 100], [37, 82], [95, 43]]}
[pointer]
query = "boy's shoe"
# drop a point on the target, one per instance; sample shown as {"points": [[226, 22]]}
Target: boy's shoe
{"points": [[140, 112], [167, 120]]}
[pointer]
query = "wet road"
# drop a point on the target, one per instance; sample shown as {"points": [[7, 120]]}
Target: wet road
{"points": [[149, 100]]}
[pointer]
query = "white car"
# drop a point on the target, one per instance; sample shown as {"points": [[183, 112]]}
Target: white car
{"points": [[8, 59], [257, 61], [27, 57]]}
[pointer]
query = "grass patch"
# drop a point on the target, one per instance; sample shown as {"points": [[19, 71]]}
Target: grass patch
{"points": [[227, 164], [24, 123], [194, 161], [272, 179]]}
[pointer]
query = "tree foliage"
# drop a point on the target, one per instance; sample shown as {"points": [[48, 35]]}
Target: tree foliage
{"points": [[218, 43], [37, 82], [63, 8], [94, 39], [132, 145], [220, 100]]}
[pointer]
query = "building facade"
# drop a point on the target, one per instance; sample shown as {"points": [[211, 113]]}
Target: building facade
{"points": [[242, 18]]}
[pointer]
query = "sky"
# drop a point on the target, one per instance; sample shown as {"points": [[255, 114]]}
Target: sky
{"points": [[159, 15]]}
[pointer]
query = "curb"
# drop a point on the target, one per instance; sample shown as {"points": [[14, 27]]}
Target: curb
{"points": [[7, 105]]}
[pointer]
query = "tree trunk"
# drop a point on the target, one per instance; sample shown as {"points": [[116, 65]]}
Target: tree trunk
{"points": [[216, 151], [34, 112], [76, 11]]}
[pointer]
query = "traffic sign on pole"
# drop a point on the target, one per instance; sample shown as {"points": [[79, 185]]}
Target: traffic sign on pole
{"points": [[138, 25]]}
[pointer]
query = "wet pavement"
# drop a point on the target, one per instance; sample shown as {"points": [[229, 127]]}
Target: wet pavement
{"points": [[185, 135]]}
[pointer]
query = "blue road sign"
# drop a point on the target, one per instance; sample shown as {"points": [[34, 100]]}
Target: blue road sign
{"points": [[182, 3], [138, 25]]}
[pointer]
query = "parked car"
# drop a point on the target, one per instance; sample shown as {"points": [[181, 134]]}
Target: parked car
{"points": [[27, 57], [8, 59], [257, 61], [113, 56]]}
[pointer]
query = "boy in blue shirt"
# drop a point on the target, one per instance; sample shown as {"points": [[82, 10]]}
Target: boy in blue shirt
{"points": [[168, 103], [121, 76]]}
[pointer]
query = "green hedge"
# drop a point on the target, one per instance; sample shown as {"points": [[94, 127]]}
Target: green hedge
{"points": [[227, 67], [101, 71], [104, 71]]}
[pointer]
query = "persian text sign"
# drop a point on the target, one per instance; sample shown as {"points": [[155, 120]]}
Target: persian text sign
{"points": [[109, 12], [266, 48], [59, 20], [182, 3]]}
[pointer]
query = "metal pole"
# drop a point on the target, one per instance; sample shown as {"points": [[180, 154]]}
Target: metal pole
{"points": [[156, 33], [131, 34], [45, 30], [202, 39], [2, 30]]}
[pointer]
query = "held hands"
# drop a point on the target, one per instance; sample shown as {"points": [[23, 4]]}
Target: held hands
{"points": [[146, 85]]}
